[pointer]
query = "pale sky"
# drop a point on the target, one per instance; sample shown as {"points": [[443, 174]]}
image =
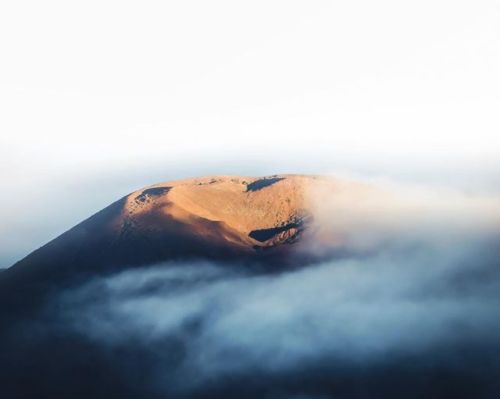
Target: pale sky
{"points": [[98, 98]]}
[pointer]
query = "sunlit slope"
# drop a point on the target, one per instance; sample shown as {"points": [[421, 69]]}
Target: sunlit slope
{"points": [[211, 217]]}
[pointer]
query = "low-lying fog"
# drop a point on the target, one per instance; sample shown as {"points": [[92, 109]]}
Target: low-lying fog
{"points": [[409, 310]]}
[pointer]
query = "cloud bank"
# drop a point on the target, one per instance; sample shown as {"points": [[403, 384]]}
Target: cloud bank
{"points": [[410, 310]]}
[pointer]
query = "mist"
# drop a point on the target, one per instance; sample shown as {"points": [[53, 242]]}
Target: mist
{"points": [[353, 313], [395, 289], [404, 305]]}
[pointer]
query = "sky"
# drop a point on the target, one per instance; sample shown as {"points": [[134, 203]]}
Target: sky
{"points": [[103, 97]]}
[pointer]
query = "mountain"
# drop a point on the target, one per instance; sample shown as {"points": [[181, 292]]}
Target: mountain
{"points": [[258, 220], [270, 223], [80, 318]]}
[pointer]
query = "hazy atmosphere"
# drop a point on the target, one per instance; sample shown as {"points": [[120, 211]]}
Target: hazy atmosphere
{"points": [[405, 306], [272, 199], [103, 98]]}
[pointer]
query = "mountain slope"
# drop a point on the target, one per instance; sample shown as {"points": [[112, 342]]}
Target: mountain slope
{"points": [[223, 218]]}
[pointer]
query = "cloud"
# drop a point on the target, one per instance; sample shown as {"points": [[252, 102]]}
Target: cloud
{"points": [[415, 316], [228, 324], [362, 214]]}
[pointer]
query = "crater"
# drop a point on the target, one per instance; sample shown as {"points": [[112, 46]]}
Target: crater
{"points": [[261, 183], [151, 192], [290, 230]]}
